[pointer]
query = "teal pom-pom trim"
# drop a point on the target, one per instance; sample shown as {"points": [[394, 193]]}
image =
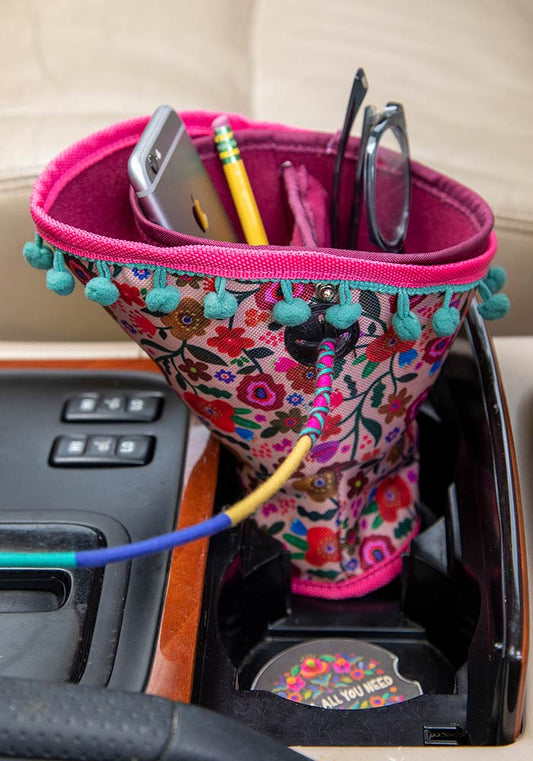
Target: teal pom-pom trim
{"points": [[219, 306], [495, 307], [343, 316], [405, 323], [291, 313], [406, 327], [163, 300], [446, 321], [60, 282], [495, 279], [102, 291], [37, 255]]}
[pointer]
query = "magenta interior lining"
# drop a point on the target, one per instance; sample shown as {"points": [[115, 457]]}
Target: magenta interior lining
{"points": [[448, 222]]}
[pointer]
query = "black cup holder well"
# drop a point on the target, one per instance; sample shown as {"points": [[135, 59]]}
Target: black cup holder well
{"points": [[33, 590]]}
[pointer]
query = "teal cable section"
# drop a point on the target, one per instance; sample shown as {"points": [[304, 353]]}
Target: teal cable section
{"points": [[38, 560]]}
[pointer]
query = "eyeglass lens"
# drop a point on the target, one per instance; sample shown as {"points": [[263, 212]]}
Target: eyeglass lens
{"points": [[392, 187]]}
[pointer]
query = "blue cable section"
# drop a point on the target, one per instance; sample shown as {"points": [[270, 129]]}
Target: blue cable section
{"points": [[96, 558]]}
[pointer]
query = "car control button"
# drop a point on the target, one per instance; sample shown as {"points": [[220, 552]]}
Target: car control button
{"points": [[110, 406], [70, 446], [143, 407], [101, 446], [101, 451], [113, 408], [137, 450]]}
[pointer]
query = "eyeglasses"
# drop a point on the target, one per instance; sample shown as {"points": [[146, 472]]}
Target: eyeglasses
{"points": [[382, 174]]}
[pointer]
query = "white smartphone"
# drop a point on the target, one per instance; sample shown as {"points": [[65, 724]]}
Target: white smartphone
{"points": [[171, 182]]}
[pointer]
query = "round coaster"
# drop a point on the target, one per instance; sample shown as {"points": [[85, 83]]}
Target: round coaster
{"points": [[343, 674]]}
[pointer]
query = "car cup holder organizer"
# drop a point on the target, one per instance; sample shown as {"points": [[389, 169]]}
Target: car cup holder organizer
{"points": [[450, 631]]}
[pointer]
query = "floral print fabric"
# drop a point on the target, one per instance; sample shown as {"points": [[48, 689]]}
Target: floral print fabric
{"points": [[350, 510]]}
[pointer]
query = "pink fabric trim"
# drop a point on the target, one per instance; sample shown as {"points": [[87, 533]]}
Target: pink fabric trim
{"points": [[371, 580], [271, 263]]}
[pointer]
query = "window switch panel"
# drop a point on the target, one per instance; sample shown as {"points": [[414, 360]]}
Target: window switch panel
{"points": [[113, 408], [101, 451]]}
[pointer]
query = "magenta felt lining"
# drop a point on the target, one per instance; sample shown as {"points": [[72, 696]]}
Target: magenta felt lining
{"points": [[82, 204], [444, 227]]}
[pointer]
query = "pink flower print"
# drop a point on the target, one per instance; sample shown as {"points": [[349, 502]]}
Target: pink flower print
{"points": [[341, 665], [374, 550], [260, 390], [295, 683], [312, 667], [268, 295], [436, 348]]}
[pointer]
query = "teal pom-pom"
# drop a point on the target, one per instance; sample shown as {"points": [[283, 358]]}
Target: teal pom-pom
{"points": [[343, 316], [446, 321], [219, 306], [163, 300], [293, 312], [496, 278], [407, 328], [60, 282], [40, 257], [102, 290], [495, 307]]}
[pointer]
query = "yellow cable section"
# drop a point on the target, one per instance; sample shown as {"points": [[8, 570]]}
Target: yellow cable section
{"points": [[245, 507]]}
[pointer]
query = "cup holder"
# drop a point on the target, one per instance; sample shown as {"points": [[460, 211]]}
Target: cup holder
{"points": [[33, 590], [460, 597]]}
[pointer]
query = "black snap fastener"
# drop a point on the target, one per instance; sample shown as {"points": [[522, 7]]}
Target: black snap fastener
{"points": [[303, 341]]}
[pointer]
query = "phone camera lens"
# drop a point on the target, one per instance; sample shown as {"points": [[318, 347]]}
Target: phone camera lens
{"points": [[153, 161]]}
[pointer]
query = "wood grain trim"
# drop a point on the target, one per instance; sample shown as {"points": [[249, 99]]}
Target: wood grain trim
{"points": [[173, 664], [133, 365]]}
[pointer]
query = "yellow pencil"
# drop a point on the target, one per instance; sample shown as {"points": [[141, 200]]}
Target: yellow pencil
{"points": [[239, 184]]}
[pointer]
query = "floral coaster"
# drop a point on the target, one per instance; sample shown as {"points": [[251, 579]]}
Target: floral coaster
{"points": [[344, 674]]}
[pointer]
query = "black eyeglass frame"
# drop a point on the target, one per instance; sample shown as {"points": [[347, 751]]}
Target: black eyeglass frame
{"points": [[375, 125]]}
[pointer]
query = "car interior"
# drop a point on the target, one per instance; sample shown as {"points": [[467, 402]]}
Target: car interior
{"points": [[139, 618]]}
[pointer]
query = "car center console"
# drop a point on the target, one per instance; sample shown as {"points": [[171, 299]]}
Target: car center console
{"points": [[94, 457]]}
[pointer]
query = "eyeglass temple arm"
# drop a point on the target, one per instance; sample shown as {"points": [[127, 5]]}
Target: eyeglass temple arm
{"points": [[357, 95], [358, 189]]}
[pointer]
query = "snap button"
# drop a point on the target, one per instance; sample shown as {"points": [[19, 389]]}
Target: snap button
{"points": [[326, 292]]}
